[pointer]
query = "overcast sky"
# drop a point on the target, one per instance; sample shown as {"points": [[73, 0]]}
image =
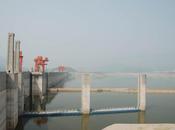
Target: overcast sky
{"points": [[92, 35]]}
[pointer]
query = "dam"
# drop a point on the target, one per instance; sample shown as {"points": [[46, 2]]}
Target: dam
{"points": [[17, 88]]}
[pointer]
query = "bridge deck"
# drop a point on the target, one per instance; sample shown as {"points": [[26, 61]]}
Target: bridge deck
{"points": [[116, 89], [77, 112], [157, 74]]}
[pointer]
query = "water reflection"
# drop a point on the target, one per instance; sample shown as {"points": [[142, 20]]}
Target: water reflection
{"points": [[40, 121], [39, 103], [141, 117], [84, 122]]}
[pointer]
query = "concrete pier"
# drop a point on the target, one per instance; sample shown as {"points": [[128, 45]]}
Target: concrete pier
{"points": [[12, 101], [11, 86], [17, 54], [142, 92], [85, 101], [39, 84], [19, 81], [20, 94], [10, 53]]}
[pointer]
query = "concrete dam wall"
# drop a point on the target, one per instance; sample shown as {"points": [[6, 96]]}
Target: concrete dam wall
{"points": [[40, 82], [56, 79], [16, 88], [3, 92]]}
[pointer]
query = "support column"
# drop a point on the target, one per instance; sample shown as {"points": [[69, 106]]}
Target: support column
{"points": [[39, 83], [12, 86], [85, 97], [17, 54], [19, 82], [10, 53], [20, 95], [142, 92]]}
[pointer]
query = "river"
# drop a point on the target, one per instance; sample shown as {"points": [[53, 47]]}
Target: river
{"points": [[160, 107]]}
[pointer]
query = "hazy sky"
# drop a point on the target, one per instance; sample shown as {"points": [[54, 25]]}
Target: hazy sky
{"points": [[93, 34]]}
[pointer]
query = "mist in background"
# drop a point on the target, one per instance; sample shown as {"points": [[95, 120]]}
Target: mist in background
{"points": [[93, 35]]}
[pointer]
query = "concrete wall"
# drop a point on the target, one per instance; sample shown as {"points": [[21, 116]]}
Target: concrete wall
{"points": [[20, 94], [2, 101], [37, 84], [57, 79], [26, 83], [45, 83], [15, 87], [42, 81], [12, 101]]}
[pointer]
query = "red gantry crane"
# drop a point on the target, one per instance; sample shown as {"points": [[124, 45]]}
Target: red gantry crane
{"points": [[40, 63], [20, 61], [61, 68]]}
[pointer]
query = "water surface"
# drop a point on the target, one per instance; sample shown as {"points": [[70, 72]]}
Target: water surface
{"points": [[160, 107]]}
